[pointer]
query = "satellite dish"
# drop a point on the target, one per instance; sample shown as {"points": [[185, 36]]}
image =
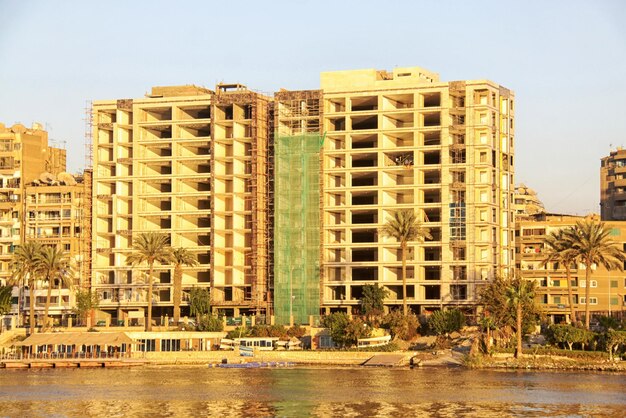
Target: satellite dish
{"points": [[66, 178], [47, 178]]}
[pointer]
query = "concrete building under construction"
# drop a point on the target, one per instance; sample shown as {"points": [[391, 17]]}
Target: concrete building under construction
{"points": [[282, 198], [189, 162]]}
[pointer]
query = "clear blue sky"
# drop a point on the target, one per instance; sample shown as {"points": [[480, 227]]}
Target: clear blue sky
{"points": [[565, 60]]}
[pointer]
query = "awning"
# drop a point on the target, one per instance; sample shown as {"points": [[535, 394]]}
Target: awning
{"points": [[77, 338]]}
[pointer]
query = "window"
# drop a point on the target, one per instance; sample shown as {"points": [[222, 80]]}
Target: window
{"points": [[614, 300], [592, 300], [614, 284], [557, 299], [594, 283]]}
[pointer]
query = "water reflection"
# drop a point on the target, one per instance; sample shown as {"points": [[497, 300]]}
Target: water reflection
{"points": [[317, 392]]}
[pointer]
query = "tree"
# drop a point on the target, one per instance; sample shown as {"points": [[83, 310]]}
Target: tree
{"points": [[445, 322], [150, 248], [373, 300], [344, 331], [24, 273], [501, 312], [404, 226], [181, 257], [53, 264], [519, 296], [199, 301], [86, 301], [559, 249], [570, 335], [5, 299], [401, 326], [593, 245]]}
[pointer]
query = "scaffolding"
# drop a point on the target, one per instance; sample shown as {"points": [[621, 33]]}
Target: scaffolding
{"points": [[297, 228]]}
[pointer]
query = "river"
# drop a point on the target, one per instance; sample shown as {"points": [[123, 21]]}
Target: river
{"points": [[318, 391]]}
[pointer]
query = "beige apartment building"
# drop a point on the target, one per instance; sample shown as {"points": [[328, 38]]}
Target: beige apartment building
{"points": [[613, 186], [407, 140], [39, 201], [189, 162], [607, 288]]}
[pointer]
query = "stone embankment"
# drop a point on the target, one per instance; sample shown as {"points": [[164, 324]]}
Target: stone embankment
{"points": [[331, 358]]}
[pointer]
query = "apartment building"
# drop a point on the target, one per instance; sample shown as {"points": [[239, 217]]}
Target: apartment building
{"points": [[406, 140], [526, 202], [40, 201], [189, 162], [607, 288], [613, 186]]}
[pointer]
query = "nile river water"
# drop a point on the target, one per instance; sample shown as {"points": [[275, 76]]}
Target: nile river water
{"points": [[323, 392]]}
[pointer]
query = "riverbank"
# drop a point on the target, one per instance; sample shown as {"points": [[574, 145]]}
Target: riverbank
{"points": [[439, 358]]}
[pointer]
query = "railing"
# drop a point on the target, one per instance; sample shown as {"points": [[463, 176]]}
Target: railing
{"points": [[65, 356]]}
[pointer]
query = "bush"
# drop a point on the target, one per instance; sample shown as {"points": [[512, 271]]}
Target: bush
{"points": [[239, 332], [401, 326], [268, 331], [568, 334], [210, 323], [445, 322], [296, 331], [344, 331]]}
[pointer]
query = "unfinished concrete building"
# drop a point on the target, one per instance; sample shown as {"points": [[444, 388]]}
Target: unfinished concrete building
{"points": [[322, 170], [406, 140], [296, 197], [191, 163], [613, 186]]}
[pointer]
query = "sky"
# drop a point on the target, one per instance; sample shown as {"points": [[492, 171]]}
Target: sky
{"points": [[564, 59]]}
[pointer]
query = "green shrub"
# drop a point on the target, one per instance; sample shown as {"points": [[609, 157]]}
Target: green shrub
{"points": [[210, 323], [345, 331], [268, 331], [239, 332], [401, 326], [445, 322], [296, 331]]}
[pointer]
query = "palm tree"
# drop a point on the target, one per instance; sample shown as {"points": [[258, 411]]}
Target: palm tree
{"points": [[53, 264], [181, 257], [519, 296], [559, 249], [24, 273], [404, 226], [594, 246], [150, 248]]}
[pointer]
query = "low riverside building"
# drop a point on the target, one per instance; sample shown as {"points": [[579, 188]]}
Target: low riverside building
{"points": [[607, 288]]}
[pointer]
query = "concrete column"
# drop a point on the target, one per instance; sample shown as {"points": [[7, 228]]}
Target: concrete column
{"points": [[236, 312], [243, 321], [89, 321], [253, 320], [291, 320], [107, 321], [126, 322], [272, 320], [70, 322]]}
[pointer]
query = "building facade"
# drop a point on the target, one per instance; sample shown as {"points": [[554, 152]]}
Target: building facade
{"points": [[406, 140], [40, 202], [282, 198], [607, 288], [613, 186], [189, 162]]}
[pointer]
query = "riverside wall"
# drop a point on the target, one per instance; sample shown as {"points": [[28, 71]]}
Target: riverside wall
{"points": [[336, 358]]}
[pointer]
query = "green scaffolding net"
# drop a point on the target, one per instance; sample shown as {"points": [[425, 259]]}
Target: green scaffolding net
{"points": [[296, 228]]}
